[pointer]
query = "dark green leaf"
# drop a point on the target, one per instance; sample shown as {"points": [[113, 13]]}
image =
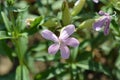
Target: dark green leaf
{"points": [[51, 72], [5, 50], [94, 66], [10, 76]]}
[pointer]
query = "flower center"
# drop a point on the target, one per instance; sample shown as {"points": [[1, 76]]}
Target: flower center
{"points": [[61, 42]]}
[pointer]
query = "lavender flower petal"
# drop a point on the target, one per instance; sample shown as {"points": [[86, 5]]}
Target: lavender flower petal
{"points": [[96, 1], [72, 42], [67, 31], [49, 35], [99, 24], [53, 48], [106, 29], [101, 13], [65, 52]]}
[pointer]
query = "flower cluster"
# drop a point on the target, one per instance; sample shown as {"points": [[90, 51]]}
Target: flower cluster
{"points": [[64, 40], [61, 42]]}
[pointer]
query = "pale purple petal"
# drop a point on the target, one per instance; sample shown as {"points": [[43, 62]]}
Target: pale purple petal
{"points": [[99, 24], [67, 31], [53, 48], [96, 1], [101, 13], [65, 52], [49, 35], [72, 42], [106, 29]]}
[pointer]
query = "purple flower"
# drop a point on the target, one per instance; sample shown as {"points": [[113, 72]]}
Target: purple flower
{"points": [[61, 42], [95, 1], [104, 20]]}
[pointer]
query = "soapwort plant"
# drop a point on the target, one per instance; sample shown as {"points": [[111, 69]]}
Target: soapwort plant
{"points": [[29, 30]]}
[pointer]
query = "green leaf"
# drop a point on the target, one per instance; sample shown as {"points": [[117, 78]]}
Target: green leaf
{"points": [[84, 44], [84, 56], [14, 9], [10, 2], [94, 66], [50, 23], [22, 73], [98, 40], [4, 35], [6, 21], [21, 46], [74, 53], [66, 16], [20, 21], [116, 4], [36, 22], [117, 63], [78, 7], [115, 27], [86, 24]]}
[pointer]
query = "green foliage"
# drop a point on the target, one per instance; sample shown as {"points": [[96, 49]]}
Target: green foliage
{"points": [[66, 16], [22, 73], [34, 26], [6, 21], [4, 35], [20, 39], [78, 7]]}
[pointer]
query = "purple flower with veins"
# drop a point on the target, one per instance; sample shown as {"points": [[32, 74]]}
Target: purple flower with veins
{"points": [[104, 20], [61, 42], [95, 1]]}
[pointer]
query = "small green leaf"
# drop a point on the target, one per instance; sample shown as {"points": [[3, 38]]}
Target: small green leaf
{"points": [[78, 7], [66, 16], [50, 23], [14, 9], [35, 24], [22, 73], [4, 35], [37, 21], [6, 21], [86, 23], [117, 63], [74, 53], [10, 2], [115, 28], [20, 21]]}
